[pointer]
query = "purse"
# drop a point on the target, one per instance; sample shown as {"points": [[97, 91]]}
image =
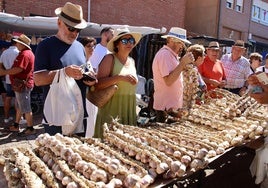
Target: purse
{"points": [[100, 97], [18, 85]]}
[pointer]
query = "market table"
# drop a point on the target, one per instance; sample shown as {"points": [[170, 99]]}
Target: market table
{"points": [[229, 170]]}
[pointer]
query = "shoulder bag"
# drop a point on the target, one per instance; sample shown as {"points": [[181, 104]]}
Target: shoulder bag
{"points": [[18, 85], [101, 96]]}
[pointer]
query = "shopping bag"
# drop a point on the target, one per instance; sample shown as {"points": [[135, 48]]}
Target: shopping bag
{"points": [[63, 105], [100, 97]]}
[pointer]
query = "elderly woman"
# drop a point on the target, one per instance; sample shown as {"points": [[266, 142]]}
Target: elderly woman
{"points": [[255, 60], [118, 68]]}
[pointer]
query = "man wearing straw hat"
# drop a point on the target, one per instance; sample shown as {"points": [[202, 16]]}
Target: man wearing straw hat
{"points": [[211, 69], [62, 51], [167, 69], [22, 69]]}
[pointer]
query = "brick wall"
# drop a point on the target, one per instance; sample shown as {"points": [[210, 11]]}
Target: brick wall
{"points": [[37, 7], [153, 13]]}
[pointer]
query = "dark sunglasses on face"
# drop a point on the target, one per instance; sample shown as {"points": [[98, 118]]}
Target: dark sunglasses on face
{"points": [[72, 29], [129, 40]]}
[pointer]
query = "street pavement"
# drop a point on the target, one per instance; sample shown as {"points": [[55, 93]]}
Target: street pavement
{"points": [[10, 138]]}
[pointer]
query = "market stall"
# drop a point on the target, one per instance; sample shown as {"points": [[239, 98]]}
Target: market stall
{"points": [[150, 156], [153, 155], [40, 26]]}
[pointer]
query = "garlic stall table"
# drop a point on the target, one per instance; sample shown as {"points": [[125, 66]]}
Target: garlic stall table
{"points": [[204, 138], [229, 170]]}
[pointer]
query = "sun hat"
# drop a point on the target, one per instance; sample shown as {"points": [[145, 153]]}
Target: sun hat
{"points": [[72, 15], [213, 45], [121, 32], [178, 33], [24, 40], [239, 43]]}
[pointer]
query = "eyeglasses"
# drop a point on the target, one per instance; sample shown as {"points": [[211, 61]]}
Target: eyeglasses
{"points": [[72, 29], [91, 46], [129, 40]]}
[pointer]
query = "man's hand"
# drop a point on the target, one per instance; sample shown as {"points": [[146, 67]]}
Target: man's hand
{"points": [[74, 71], [90, 82]]}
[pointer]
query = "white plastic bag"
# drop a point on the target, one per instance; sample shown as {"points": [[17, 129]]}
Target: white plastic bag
{"points": [[63, 105]]}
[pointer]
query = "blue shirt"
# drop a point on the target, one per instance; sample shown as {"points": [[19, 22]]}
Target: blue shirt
{"points": [[53, 54]]}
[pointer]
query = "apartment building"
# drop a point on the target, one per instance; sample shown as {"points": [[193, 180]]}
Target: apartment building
{"points": [[229, 20]]}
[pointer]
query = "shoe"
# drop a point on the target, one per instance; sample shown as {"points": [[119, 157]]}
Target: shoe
{"points": [[27, 131], [8, 119], [13, 128], [23, 121]]}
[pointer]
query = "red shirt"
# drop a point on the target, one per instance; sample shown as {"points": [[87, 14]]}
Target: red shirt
{"points": [[24, 60], [212, 70]]}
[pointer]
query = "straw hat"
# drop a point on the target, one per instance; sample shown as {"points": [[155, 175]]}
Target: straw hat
{"points": [[213, 45], [121, 32], [24, 40], [72, 15], [239, 43], [178, 33]]}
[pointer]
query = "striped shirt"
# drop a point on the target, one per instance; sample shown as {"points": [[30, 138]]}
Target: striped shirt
{"points": [[236, 72]]}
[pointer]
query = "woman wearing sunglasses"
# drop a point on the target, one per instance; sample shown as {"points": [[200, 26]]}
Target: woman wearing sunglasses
{"points": [[118, 68]]}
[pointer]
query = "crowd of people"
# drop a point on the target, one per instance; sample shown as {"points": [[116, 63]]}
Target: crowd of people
{"points": [[110, 62]]}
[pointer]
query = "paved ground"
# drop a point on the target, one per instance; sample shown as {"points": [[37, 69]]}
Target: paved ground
{"points": [[9, 139]]}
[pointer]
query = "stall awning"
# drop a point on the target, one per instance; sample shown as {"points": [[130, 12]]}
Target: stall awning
{"points": [[45, 26]]}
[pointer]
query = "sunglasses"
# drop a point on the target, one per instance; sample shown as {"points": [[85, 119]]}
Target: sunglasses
{"points": [[91, 46], [129, 40], [72, 29]]}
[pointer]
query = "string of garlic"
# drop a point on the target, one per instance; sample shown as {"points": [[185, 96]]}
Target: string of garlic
{"points": [[40, 168]]}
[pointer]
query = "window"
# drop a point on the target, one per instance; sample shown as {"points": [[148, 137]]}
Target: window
{"points": [[256, 12], [259, 12], [264, 16], [239, 5], [229, 4]]}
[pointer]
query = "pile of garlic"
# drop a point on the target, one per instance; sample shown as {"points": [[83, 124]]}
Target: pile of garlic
{"points": [[190, 85], [132, 156]]}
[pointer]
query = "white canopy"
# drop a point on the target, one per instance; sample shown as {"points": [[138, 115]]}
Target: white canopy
{"points": [[44, 26]]}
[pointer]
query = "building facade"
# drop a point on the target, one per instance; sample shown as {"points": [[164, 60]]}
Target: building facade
{"points": [[229, 20]]}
